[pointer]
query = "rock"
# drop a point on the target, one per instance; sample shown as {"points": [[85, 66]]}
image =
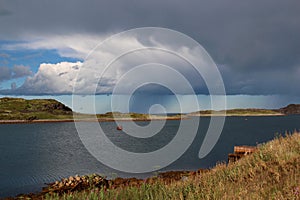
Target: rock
{"points": [[60, 185]]}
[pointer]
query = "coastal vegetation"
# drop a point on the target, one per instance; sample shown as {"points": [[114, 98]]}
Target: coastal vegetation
{"points": [[271, 172], [120, 115]]}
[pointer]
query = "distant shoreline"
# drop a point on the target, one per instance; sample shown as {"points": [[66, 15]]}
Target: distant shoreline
{"points": [[184, 117], [22, 111]]}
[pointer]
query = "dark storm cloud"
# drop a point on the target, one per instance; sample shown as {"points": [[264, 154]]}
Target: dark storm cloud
{"points": [[17, 71], [258, 41], [4, 12], [20, 71], [5, 73]]}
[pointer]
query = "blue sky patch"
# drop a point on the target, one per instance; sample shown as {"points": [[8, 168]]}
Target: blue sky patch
{"points": [[28, 57]]}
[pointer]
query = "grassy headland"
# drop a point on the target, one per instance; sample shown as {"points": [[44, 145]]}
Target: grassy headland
{"points": [[272, 172], [21, 109]]}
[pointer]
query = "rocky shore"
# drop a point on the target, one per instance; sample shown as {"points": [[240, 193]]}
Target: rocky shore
{"points": [[86, 182]]}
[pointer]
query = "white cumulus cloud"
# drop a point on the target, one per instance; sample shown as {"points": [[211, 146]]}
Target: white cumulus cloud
{"points": [[52, 79]]}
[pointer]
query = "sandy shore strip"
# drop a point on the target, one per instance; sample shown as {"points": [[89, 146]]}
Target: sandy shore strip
{"points": [[87, 120]]}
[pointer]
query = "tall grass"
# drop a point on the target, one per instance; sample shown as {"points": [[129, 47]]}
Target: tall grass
{"points": [[272, 172]]}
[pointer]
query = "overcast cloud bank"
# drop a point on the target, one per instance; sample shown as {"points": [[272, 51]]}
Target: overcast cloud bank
{"points": [[255, 44]]}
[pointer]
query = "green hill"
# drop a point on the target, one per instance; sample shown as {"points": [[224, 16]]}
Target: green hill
{"points": [[21, 109]]}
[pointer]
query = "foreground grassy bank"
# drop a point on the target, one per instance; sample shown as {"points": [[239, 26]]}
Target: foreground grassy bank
{"points": [[272, 172]]}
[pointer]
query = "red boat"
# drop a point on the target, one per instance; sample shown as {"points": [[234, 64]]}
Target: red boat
{"points": [[119, 128]]}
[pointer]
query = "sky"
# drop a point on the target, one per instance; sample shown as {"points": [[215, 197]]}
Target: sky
{"points": [[254, 44]]}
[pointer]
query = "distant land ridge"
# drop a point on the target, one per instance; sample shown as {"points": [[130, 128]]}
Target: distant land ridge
{"points": [[291, 109], [50, 109]]}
